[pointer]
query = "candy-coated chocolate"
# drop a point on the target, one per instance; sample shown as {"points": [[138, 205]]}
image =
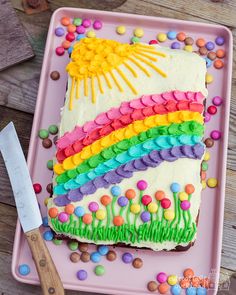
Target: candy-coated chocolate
{"points": [[165, 203], [69, 209], [95, 257], [97, 25], [208, 62], [66, 44], [220, 40], [135, 39], [85, 257], [159, 195], [163, 288], [138, 32], [130, 194], [161, 37], [161, 277], [65, 21], [183, 196], [83, 247], [24, 269], [103, 249], [74, 257], [188, 48], [210, 45], [87, 218], [202, 50], [137, 263], [215, 134], [37, 188], [220, 53], [142, 185], [176, 290], [106, 200], [185, 283], [77, 21], [204, 166], [151, 42], [70, 36], [145, 216], [185, 205], [43, 133], [203, 175], [91, 34], [175, 187], [111, 255], [207, 156], [135, 208], [57, 242], [209, 142], [122, 201], [152, 286], [45, 221], [146, 199], [47, 143], [53, 212], [99, 270], [212, 182], [218, 64], [207, 117], [63, 217], [212, 110], [203, 182], [118, 220], [55, 138], [195, 281], [209, 78], [189, 188], [172, 280], [49, 188], [101, 214], [127, 257], [116, 191], [93, 206], [171, 35], [86, 23], [181, 36], [169, 214], [53, 129], [59, 31], [71, 28], [60, 51], [211, 55], [217, 100], [191, 291], [175, 45], [48, 235], [73, 245], [189, 273], [200, 42], [120, 30], [80, 30], [46, 201], [205, 282], [152, 207], [201, 291], [82, 275], [189, 41]]}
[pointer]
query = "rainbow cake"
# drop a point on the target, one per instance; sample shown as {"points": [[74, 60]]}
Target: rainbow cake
{"points": [[129, 153]]}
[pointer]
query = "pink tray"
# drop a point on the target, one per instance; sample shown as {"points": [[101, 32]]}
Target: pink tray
{"points": [[120, 278]]}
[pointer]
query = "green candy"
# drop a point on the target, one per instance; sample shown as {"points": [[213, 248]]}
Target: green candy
{"points": [[99, 270], [50, 164], [135, 39], [43, 133], [57, 242], [73, 245], [204, 166], [77, 21], [53, 129]]}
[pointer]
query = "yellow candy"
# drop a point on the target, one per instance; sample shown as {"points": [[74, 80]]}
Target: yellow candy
{"points": [[135, 208], [172, 280], [169, 214], [203, 184], [183, 196], [161, 37], [101, 214], [46, 201], [91, 34], [207, 156], [138, 32], [212, 182], [152, 207], [120, 30], [58, 169], [188, 48], [209, 78]]}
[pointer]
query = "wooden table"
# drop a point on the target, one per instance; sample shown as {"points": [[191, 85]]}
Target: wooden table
{"points": [[18, 92]]}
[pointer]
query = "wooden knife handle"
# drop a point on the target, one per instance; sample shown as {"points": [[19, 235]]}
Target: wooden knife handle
{"points": [[48, 275]]}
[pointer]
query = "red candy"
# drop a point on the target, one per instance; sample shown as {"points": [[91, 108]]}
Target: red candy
{"points": [[60, 50], [70, 36], [165, 203], [153, 42], [212, 110], [146, 199], [37, 188]]}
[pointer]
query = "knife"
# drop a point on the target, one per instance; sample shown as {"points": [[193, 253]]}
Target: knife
{"points": [[28, 210]]}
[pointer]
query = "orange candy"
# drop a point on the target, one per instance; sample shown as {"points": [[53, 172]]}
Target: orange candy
{"points": [[66, 44], [184, 283], [65, 21], [87, 218], [195, 281], [130, 194], [188, 273], [163, 288], [181, 36], [200, 42], [105, 200], [189, 189], [159, 195], [53, 212], [218, 64], [69, 209], [118, 220], [205, 283], [71, 28], [203, 175], [220, 53]]}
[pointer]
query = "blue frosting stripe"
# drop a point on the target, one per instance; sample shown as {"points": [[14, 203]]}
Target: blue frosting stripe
{"points": [[135, 152]]}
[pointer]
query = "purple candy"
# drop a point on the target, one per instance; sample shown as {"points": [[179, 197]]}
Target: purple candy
{"points": [[185, 205], [207, 117], [97, 25], [217, 100], [161, 277], [80, 29], [63, 217], [210, 45], [141, 185], [82, 275], [123, 201], [93, 206], [220, 40], [127, 257], [175, 45], [86, 23], [59, 31], [145, 216], [215, 134]]}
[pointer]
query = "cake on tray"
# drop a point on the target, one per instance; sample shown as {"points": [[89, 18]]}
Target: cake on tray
{"points": [[129, 153]]}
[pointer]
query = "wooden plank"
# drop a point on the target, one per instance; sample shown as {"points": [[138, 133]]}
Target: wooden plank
{"points": [[15, 46]]}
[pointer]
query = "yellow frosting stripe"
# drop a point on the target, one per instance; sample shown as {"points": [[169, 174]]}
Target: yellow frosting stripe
{"points": [[107, 80], [140, 52], [125, 133], [130, 69], [85, 85], [126, 81], [72, 94], [77, 88], [100, 84], [139, 66], [93, 90], [116, 81]]}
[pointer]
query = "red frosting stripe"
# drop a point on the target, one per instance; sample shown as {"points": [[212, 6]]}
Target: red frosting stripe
{"points": [[124, 120]]}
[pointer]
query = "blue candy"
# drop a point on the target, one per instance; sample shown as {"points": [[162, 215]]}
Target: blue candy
{"points": [[45, 221], [24, 269], [95, 257], [171, 35], [79, 211], [116, 190], [48, 235], [176, 290], [191, 291], [175, 187], [70, 49], [103, 250], [208, 62], [201, 291], [80, 36]]}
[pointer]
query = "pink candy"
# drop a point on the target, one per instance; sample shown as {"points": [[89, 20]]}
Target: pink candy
{"points": [[217, 100], [86, 23], [215, 134], [207, 117], [185, 205], [97, 25], [80, 29], [63, 217], [60, 50], [161, 277]]}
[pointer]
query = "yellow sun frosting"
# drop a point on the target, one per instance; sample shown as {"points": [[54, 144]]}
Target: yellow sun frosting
{"points": [[95, 57]]}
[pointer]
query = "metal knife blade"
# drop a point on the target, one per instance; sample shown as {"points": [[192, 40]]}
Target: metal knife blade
{"points": [[25, 198]]}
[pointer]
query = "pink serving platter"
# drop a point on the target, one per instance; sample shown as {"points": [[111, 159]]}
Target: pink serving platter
{"points": [[204, 256]]}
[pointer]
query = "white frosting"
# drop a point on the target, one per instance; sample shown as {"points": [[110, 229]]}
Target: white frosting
{"points": [[185, 72]]}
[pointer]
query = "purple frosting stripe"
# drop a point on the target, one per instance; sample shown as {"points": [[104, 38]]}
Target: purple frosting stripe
{"points": [[153, 159]]}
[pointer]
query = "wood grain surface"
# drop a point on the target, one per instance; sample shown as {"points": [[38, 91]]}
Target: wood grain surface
{"points": [[18, 92]]}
